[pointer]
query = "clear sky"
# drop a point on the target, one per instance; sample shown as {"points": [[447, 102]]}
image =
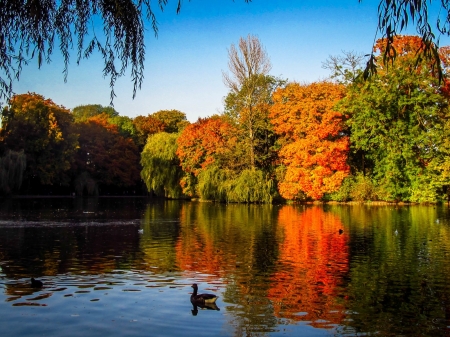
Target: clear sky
{"points": [[183, 67]]}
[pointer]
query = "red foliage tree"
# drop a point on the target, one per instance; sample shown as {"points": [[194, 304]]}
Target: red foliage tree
{"points": [[109, 158], [202, 143]]}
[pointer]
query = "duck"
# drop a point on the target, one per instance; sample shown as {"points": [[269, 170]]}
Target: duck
{"points": [[36, 283], [341, 231], [202, 299]]}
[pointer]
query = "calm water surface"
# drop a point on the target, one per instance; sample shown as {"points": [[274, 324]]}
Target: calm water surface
{"points": [[278, 270]]}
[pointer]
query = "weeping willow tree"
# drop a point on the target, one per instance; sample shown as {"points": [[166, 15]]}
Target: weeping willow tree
{"points": [[247, 186], [12, 166], [161, 169]]}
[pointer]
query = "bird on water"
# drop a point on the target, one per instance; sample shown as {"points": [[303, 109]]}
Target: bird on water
{"points": [[36, 283], [201, 299]]}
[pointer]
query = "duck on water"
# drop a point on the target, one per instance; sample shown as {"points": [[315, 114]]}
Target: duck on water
{"points": [[36, 283], [200, 299], [203, 301]]}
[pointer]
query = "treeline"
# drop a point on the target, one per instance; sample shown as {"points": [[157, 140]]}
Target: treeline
{"points": [[349, 138], [92, 150]]}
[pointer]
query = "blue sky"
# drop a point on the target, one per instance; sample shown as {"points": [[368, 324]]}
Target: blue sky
{"points": [[183, 67]]}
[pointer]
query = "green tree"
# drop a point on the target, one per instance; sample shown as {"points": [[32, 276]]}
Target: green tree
{"points": [[174, 120], [82, 113], [44, 131], [398, 119], [125, 126], [161, 169]]}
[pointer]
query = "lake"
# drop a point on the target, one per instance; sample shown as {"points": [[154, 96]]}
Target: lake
{"points": [[125, 266]]}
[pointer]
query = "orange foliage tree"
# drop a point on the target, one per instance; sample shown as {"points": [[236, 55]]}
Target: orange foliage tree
{"points": [[146, 126], [314, 149], [202, 144]]}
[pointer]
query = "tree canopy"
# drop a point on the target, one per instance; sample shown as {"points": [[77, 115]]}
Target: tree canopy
{"points": [[399, 120], [43, 130]]}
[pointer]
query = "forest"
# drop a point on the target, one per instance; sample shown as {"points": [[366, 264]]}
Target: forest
{"points": [[385, 137]]}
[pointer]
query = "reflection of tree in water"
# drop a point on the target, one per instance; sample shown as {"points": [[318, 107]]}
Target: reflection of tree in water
{"points": [[236, 244], [34, 251], [160, 236], [398, 284], [313, 262]]}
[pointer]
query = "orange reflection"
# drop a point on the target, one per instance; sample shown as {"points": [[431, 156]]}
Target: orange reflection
{"points": [[313, 258], [196, 249]]}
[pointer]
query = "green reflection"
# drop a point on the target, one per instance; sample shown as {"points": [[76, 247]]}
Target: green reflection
{"points": [[399, 269]]}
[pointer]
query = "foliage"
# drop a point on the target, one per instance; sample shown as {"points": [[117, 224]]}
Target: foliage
{"points": [[247, 186], [202, 143], [146, 126], [109, 158], [210, 182], [397, 119], [82, 113], [355, 188], [313, 147], [209, 141], [30, 29], [394, 16], [248, 111], [125, 126], [12, 166], [44, 131], [174, 120], [161, 169]]}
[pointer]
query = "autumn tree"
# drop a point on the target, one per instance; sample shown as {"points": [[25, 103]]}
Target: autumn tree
{"points": [[399, 119], [313, 148], [125, 124], [247, 104], [146, 126], [161, 169], [44, 132], [209, 141], [106, 161]]}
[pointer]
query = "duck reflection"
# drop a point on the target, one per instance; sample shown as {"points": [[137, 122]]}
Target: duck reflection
{"points": [[206, 306]]}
